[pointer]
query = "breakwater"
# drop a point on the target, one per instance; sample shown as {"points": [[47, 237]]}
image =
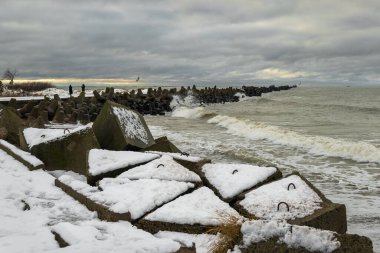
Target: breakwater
{"points": [[147, 102]]}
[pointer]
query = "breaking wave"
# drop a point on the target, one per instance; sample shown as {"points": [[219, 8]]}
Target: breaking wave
{"points": [[192, 113], [318, 145]]}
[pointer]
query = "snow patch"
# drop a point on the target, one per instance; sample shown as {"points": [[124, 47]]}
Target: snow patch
{"points": [[100, 236], [122, 195], [24, 155], [203, 242], [35, 136], [263, 201], [232, 179], [163, 168], [102, 161], [131, 123], [314, 240], [201, 206], [178, 156]]}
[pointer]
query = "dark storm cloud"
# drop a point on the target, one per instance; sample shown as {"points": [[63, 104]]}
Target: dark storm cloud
{"points": [[192, 40]]}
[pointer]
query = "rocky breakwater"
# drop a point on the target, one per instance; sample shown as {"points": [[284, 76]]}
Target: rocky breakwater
{"points": [[150, 101], [115, 167]]}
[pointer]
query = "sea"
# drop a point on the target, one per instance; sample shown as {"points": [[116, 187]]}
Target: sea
{"points": [[331, 135]]}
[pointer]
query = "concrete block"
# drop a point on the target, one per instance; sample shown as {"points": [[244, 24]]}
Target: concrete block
{"points": [[10, 121], [65, 152], [322, 214], [119, 128]]}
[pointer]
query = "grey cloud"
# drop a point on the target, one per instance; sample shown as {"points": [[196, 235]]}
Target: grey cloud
{"points": [[190, 40]]}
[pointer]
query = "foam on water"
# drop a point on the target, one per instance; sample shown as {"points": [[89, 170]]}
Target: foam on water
{"points": [[319, 145]]}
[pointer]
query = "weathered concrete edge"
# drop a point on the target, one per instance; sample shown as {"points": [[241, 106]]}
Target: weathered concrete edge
{"points": [[103, 212], [20, 159]]}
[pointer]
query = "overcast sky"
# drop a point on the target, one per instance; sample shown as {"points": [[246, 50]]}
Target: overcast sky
{"points": [[190, 41]]}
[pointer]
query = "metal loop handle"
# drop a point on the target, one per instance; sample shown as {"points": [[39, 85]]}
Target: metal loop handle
{"points": [[290, 185], [160, 165], [278, 206], [235, 171], [64, 131]]}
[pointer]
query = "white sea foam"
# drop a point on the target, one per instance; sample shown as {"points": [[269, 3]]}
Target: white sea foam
{"points": [[189, 101], [319, 145], [190, 113]]}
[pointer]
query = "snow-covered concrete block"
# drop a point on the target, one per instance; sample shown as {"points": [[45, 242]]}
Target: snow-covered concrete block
{"points": [[61, 149], [194, 213], [106, 163], [118, 128], [121, 198], [12, 123], [296, 200], [193, 163], [230, 180], [100, 236], [278, 236], [29, 160], [164, 168]]}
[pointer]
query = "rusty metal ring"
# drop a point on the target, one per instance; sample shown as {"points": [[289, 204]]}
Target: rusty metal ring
{"points": [[290, 185], [278, 206]]}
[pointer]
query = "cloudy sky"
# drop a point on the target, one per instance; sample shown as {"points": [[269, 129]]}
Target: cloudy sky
{"points": [[192, 41]]}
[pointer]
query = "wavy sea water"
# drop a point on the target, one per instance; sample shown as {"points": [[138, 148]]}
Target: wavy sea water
{"points": [[330, 135]]}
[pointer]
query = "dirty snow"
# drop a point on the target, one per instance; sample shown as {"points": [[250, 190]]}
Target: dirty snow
{"points": [[201, 206], [263, 201], [203, 242], [100, 236], [314, 240], [35, 136], [131, 123], [232, 179], [163, 168], [122, 195], [102, 161], [178, 156], [24, 155]]}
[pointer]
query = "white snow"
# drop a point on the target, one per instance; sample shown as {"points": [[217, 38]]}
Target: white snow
{"points": [[203, 242], [312, 239], [122, 195], [35, 136], [100, 236], [263, 201], [163, 168], [232, 179], [102, 161], [178, 156], [29, 231], [24, 155], [201, 206], [131, 123]]}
